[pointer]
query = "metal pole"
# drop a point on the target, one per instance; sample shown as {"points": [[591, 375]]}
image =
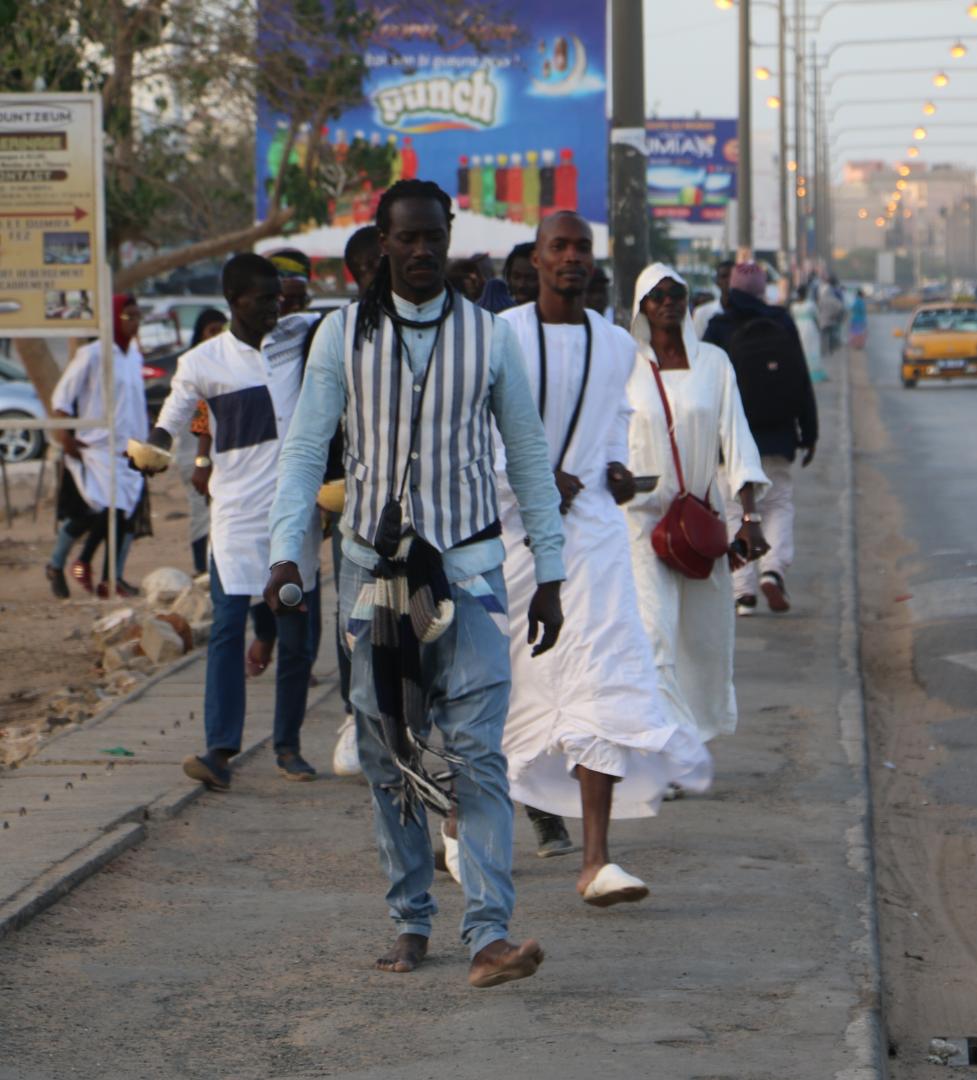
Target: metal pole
{"points": [[816, 157], [784, 253], [629, 185], [745, 138], [800, 244]]}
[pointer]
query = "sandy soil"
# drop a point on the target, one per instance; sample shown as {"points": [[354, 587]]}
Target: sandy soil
{"points": [[46, 644], [925, 850]]}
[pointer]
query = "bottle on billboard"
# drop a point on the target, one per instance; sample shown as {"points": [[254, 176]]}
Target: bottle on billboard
{"points": [[342, 146], [547, 184], [488, 185], [396, 166], [514, 190], [530, 188], [464, 202], [502, 185], [566, 182], [475, 184], [409, 164]]}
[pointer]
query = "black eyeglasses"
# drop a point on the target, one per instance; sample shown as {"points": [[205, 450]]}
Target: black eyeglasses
{"points": [[661, 293]]}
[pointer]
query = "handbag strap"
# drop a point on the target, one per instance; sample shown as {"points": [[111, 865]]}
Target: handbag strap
{"points": [[671, 426]]}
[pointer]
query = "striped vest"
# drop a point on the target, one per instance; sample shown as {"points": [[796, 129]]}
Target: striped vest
{"points": [[450, 491]]}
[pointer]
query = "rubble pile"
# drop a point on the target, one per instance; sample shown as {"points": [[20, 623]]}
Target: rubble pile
{"points": [[171, 616]]}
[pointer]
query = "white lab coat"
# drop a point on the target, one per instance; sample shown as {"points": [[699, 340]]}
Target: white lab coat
{"points": [[79, 394]]}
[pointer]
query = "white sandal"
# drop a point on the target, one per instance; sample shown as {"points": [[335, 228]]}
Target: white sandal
{"points": [[612, 885], [451, 855]]}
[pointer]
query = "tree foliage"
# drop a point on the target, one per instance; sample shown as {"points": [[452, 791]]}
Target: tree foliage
{"points": [[180, 80]]}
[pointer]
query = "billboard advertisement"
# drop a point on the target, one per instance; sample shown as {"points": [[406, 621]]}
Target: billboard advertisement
{"points": [[691, 169], [511, 134]]}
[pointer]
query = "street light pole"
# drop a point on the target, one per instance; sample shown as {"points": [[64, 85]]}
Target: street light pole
{"points": [[745, 138], [800, 156], [629, 185], [784, 254]]}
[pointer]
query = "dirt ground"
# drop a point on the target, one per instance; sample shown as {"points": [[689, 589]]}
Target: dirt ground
{"points": [[925, 848], [46, 644]]}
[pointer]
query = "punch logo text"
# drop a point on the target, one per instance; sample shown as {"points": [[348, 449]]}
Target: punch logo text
{"points": [[472, 98]]}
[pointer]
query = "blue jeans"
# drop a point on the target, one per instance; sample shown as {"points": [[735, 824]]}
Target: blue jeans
{"points": [[468, 678], [224, 697]]}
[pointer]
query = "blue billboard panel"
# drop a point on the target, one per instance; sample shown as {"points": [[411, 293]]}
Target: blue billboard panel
{"points": [[691, 168], [511, 135]]}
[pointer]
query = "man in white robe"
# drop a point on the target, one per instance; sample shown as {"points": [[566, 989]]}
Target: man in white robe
{"points": [[587, 729]]}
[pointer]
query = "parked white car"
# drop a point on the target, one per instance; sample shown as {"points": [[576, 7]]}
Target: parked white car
{"points": [[18, 400]]}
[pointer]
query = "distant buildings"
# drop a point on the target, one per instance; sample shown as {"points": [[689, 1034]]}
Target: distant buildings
{"points": [[927, 214]]}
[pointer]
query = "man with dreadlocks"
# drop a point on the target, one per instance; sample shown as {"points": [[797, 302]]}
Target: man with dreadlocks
{"points": [[419, 373]]}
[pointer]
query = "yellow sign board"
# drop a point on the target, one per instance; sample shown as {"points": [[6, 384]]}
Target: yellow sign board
{"points": [[51, 215]]}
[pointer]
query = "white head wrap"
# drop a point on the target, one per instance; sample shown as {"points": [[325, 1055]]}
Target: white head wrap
{"points": [[640, 330]]}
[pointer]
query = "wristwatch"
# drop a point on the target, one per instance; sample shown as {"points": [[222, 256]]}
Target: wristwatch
{"points": [[752, 519], [203, 462]]}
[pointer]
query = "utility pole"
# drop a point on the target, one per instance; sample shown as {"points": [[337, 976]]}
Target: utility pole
{"points": [[745, 138], [784, 175], [629, 162]]}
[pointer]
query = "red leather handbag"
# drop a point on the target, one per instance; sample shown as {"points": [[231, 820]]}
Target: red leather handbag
{"points": [[691, 536]]}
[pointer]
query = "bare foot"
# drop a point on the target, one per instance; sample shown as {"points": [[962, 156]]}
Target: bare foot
{"points": [[587, 875], [503, 962], [258, 656], [408, 951]]}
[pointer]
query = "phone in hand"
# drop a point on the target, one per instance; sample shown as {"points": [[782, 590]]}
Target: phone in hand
{"points": [[645, 483]]}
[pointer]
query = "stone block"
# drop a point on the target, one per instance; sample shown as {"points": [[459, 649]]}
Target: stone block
{"points": [[164, 585], [194, 605], [160, 642]]}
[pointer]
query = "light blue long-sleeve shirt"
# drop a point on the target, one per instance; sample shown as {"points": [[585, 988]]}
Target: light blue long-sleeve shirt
{"points": [[322, 403]]}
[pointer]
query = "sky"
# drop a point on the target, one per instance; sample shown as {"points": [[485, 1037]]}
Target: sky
{"points": [[691, 66]]}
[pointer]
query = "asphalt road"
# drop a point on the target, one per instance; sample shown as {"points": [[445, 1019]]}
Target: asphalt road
{"points": [[236, 942], [916, 514]]}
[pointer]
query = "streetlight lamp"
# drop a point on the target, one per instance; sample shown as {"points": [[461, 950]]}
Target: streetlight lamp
{"points": [[762, 73]]}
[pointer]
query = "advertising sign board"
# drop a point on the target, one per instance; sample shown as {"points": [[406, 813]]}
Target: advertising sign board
{"points": [[511, 134], [691, 168], [51, 214]]}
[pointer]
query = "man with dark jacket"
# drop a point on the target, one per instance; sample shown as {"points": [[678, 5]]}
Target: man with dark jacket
{"points": [[765, 349]]}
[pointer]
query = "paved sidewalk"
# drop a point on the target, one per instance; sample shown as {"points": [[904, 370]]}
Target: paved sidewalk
{"points": [[237, 940], [73, 807]]}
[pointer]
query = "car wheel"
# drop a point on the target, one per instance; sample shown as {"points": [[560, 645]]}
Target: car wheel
{"points": [[19, 444], [908, 384]]}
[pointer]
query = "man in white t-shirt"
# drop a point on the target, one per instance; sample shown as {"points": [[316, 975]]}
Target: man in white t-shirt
{"points": [[250, 377]]}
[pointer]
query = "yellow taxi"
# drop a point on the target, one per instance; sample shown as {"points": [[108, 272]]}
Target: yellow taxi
{"points": [[940, 342]]}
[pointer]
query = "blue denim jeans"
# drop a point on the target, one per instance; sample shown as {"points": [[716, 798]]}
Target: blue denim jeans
{"points": [[224, 696], [468, 677]]}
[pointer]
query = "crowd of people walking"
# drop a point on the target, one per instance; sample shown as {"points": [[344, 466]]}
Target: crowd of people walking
{"points": [[543, 527]]}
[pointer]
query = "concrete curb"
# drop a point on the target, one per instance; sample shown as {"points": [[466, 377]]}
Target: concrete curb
{"points": [[865, 1034], [118, 703], [58, 880], [64, 876]]}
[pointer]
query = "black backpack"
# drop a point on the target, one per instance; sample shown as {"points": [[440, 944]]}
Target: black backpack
{"points": [[769, 372]]}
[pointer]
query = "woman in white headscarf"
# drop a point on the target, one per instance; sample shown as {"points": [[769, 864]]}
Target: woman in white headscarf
{"points": [[691, 622]]}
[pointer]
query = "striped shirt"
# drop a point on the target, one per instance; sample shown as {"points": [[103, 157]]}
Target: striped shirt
{"points": [[250, 396], [452, 454]]}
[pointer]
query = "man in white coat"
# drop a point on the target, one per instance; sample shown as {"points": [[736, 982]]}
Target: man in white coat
{"points": [[587, 730]]}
